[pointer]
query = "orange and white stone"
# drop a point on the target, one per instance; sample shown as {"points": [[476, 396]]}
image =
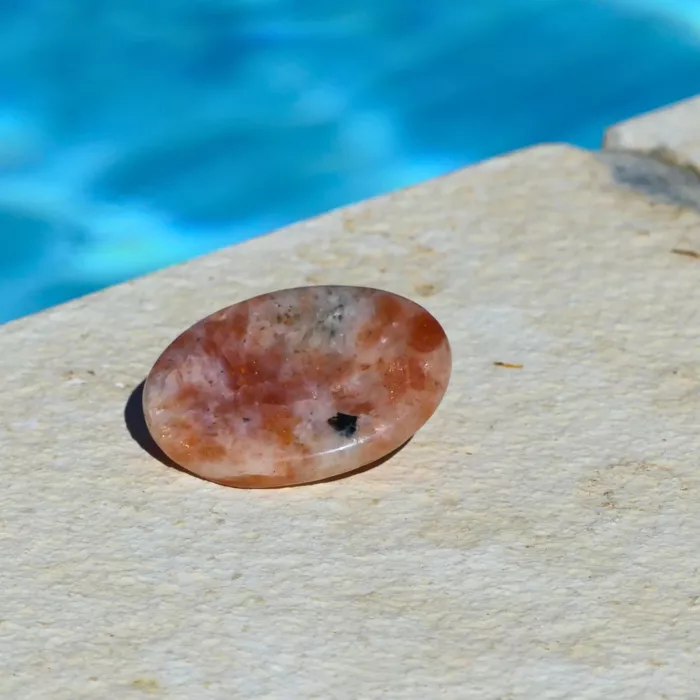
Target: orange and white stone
{"points": [[297, 386]]}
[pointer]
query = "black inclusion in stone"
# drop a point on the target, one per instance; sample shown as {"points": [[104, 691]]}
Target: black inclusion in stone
{"points": [[343, 424]]}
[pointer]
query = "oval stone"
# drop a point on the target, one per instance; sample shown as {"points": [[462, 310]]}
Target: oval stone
{"points": [[297, 386]]}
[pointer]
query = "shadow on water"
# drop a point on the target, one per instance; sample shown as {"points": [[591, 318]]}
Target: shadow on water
{"points": [[135, 421]]}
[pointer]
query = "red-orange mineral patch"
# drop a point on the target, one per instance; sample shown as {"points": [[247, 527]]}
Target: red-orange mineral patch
{"points": [[297, 385]]}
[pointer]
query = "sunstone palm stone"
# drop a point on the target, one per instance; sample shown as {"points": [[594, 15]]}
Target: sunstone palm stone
{"points": [[297, 386]]}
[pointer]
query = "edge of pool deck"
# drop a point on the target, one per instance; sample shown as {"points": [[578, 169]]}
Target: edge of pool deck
{"points": [[536, 539], [671, 134]]}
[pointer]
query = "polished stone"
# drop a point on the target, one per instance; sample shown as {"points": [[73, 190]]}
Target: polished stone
{"points": [[297, 386]]}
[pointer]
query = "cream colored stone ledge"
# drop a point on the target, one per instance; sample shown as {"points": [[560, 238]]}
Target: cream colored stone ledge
{"points": [[671, 134], [538, 538]]}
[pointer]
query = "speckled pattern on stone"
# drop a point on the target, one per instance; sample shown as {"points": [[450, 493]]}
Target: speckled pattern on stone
{"points": [[297, 386], [537, 539]]}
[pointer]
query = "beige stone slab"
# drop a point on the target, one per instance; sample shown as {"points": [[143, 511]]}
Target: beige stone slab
{"points": [[671, 134], [538, 539]]}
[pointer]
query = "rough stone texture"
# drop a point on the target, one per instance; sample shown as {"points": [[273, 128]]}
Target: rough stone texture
{"points": [[671, 134], [538, 538]]}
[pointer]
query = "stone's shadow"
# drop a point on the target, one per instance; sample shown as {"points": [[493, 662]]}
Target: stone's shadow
{"points": [[135, 421]]}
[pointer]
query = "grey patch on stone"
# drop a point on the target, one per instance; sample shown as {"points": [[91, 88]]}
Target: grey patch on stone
{"points": [[656, 176], [662, 154]]}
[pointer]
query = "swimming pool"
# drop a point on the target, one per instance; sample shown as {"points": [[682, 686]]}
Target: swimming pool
{"points": [[135, 135]]}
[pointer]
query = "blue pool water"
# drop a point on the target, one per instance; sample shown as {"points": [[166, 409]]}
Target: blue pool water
{"points": [[135, 134]]}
